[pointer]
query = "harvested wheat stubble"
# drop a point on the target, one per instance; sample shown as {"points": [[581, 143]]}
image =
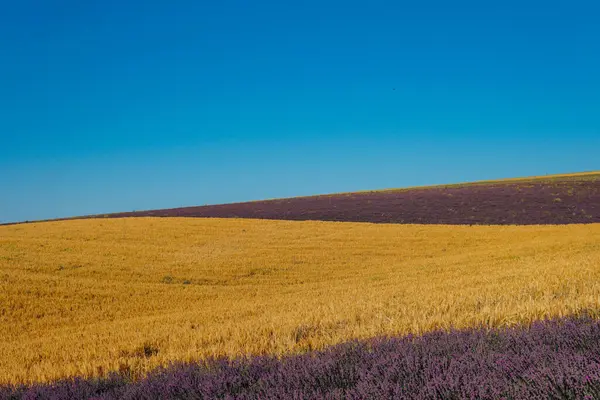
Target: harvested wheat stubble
{"points": [[557, 200], [556, 359]]}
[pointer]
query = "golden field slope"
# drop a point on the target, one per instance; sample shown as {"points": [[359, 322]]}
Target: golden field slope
{"points": [[86, 297]]}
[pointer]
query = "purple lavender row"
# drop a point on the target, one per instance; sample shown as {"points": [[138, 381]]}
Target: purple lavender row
{"points": [[562, 201], [552, 359]]}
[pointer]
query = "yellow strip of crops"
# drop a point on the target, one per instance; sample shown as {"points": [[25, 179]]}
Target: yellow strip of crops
{"points": [[86, 297]]}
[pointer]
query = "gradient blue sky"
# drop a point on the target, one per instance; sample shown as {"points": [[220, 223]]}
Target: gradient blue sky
{"points": [[121, 105]]}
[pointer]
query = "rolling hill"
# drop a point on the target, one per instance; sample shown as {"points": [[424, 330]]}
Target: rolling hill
{"points": [[560, 199], [442, 295], [86, 297]]}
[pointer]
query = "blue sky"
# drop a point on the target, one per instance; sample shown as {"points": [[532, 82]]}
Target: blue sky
{"points": [[122, 105]]}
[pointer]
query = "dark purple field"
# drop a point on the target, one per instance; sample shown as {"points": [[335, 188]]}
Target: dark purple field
{"points": [[557, 359], [563, 200]]}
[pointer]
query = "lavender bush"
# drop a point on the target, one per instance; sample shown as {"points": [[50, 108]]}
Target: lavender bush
{"points": [[557, 359], [549, 201]]}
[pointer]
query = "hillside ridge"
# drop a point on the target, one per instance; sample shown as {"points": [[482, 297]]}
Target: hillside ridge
{"points": [[551, 199]]}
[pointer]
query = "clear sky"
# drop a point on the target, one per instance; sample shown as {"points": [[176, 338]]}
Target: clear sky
{"points": [[122, 105]]}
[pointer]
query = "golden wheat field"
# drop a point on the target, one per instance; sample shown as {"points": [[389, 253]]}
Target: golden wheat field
{"points": [[86, 297]]}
